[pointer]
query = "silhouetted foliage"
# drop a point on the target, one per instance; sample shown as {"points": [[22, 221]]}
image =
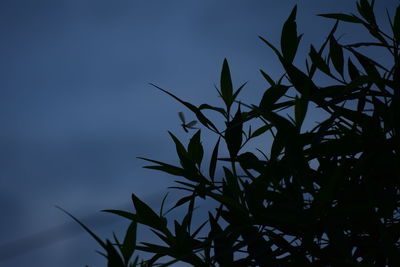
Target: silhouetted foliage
{"points": [[324, 196]]}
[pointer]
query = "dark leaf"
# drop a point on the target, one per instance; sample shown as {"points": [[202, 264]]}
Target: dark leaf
{"points": [[366, 11], [336, 55], [321, 49], [114, 259], [147, 216], [353, 71], [249, 161], [232, 185], [300, 110], [261, 130], [195, 149], [153, 248], [271, 95], [238, 91], [282, 124], [206, 106], [167, 169], [277, 146], [302, 83], [187, 220], [162, 204], [283, 105], [180, 202], [271, 46], [318, 61], [164, 167], [267, 78], [135, 262], [125, 214], [226, 84], [289, 38], [361, 103], [223, 252], [129, 243], [396, 25], [187, 163], [342, 17], [233, 134], [213, 162], [169, 241], [180, 149], [370, 60], [368, 65], [95, 237]]}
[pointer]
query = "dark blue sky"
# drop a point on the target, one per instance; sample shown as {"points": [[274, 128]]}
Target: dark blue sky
{"points": [[76, 108]]}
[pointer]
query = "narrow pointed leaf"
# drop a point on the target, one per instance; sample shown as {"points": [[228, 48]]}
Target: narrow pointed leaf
{"points": [[318, 61], [300, 108], [129, 243], [289, 38], [396, 25], [162, 204], [213, 162], [232, 184], [226, 84], [237, 92], [233, 134], [153, 248], [146, 215], [336, 55], [271, 46], [272, 95], [302, 83], [195, 149], [321, 49], [114, 259], [181, 151], [125, 214], [261, 130], [95, 237], [171, 169], [352, 69], [180, 202], [206, 106], [187, 220], [267, 78], [167, 169], [366, 11], [277, 146], [368, 66], [342, 17], [163, 237]]}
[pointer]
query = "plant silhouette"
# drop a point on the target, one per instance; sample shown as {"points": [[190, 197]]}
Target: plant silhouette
{"points": [[324, 196]]}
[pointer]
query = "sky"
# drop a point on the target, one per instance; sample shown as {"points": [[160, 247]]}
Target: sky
{"points": [[76, 107]]}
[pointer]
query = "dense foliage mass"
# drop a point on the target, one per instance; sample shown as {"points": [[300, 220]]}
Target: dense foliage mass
{"points": [[325, 196]]}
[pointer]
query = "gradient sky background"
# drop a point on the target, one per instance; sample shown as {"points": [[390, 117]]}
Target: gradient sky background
{"points": [[76, 108]]}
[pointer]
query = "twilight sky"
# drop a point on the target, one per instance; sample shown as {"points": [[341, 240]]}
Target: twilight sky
{"points": [[76, 108]]}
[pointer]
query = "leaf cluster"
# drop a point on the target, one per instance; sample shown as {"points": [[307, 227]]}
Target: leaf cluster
{"points": [[325, 196]]}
